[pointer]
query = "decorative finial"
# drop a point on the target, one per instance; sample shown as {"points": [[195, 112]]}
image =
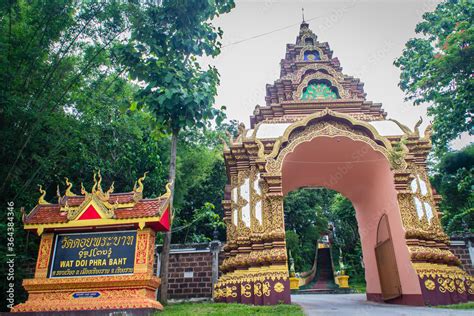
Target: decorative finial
{"points": [[66, 207], [417, 125], [99, 182], [404, 128], [41, 199], [241, 129], [231, 137], [111, 189], [224, 143], [68, 188], [83, 190], [94, 188], [429, 131], [168, 189], [106, 195], [139, 187]]}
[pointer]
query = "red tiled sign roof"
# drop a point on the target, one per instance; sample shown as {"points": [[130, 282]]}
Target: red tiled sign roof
{"points": [[51, 213]]}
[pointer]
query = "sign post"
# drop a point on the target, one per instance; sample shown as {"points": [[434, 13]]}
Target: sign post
{"points": [[96, 251]]}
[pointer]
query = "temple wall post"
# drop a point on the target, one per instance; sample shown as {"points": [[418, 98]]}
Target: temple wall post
{"points": [[442, 281]]}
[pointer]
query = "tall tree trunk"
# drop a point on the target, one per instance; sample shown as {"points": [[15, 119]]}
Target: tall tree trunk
{"points": [[165, 254]]}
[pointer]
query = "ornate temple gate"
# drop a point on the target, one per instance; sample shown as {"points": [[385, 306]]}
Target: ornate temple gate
{"points": [[317, 129]]}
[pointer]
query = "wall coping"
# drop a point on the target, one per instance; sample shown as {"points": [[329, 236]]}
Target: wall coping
{"points": [[458, 243], [188, 248]]}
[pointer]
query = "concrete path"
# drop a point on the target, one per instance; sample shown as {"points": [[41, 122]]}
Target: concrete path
{"points": [[357, 305]]}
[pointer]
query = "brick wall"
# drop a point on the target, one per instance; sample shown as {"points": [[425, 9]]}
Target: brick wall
{"points": [[461, 249], [190, 271], [198, 269]]}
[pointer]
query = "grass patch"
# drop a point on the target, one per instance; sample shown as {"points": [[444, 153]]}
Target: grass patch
{"points": [[469, 305], [224, 309]]}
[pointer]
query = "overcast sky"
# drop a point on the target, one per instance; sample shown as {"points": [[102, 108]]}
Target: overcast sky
{"points": [[366, 36]]}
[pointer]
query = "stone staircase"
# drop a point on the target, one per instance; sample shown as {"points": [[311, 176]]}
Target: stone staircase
{"points": [[324, 275]]}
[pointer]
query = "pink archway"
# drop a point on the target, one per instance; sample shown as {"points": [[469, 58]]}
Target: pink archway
{"points": [[363, 175]]}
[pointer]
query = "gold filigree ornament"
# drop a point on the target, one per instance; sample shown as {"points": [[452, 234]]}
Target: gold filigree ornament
{"points": [[446, 284], [298, 76], [257, 289], [279, 287], [94, 187], [460, 286], [320, 76], [306, 48], [266, 288], [168, 189], [313, 127], [245, 290], [430, 285], [470, 284], [230, 291]]}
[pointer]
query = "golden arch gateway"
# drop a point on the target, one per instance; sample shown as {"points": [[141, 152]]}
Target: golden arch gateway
{"points": [[317, 129]]}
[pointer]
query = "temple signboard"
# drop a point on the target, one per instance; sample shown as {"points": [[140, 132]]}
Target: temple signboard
{"points": [[97, 250], [101, 253]]}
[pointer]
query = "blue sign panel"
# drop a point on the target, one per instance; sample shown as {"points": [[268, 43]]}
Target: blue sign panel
{"points": [[93, 254], [86, 294]]}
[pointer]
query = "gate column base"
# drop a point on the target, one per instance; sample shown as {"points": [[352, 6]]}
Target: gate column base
{"points": [[256, 286], [136, 292], [443, 285]]}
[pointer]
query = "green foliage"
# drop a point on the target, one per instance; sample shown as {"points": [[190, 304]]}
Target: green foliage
{"points": [[305, 221], [166, 40], [468, 305], [64, 112], [162, 53], [224, 309], [200, 179], [455, 182], [437, 69], [307, 215], [346, 239], [52, 55]]}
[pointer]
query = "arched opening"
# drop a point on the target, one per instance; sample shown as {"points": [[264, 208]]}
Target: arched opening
{"points": [[363, 175], [322, 240]]}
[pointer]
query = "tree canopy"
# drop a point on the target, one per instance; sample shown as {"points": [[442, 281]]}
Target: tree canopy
{"points": [[162, 54], [308, 214], [65, 112], [454, 180], [436, 68]]}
